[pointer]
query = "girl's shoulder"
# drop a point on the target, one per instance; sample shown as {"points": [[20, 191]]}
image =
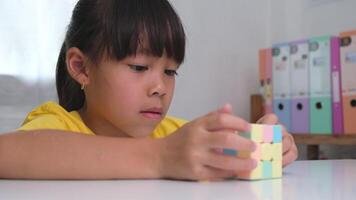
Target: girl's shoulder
{"points": [[51, 115]]}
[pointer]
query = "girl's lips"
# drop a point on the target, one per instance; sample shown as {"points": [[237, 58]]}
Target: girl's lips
{"points": [[152, 115]]}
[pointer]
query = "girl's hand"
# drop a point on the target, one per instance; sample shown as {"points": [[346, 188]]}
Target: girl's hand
{"points": [[290, 151], [194, 151]]}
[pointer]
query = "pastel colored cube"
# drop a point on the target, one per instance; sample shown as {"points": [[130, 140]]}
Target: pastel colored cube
{"points": [[267, 169], [230, 152], [276, 168], [268, 134], [255, 174], [277, 134], [244, 154], [268, 153], [277, 151], [256, 133]]}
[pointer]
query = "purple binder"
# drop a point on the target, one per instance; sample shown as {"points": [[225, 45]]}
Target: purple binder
{"points": [[299, 58]]}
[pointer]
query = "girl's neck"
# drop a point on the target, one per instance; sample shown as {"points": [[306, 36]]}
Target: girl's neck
{"points": [[99, 126]]}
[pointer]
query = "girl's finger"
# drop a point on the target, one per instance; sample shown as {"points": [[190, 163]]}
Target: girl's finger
{"points": [[227, 162], [214, 174], [227, 108], [220, 121], [271, 119], [228, 140], [286, 142], [289, 157]]}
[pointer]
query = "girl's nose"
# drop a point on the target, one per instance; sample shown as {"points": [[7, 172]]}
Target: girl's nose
{"points": [[157, 87]]}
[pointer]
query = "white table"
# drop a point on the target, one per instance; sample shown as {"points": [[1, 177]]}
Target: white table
{"points": [[328, 179]]}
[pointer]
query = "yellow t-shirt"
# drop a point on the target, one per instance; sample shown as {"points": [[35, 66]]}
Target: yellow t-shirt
{"points": [[50, 115]]}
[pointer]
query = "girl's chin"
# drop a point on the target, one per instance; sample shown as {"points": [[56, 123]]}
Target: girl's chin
{"points": [[143, 132]]}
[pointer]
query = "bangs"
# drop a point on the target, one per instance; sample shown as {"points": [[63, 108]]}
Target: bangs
{"points": [[142, 26]]}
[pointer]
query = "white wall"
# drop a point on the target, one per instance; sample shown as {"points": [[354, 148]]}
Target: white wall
{"points": [[293, 20], [224, 37], [221, 63], [30, 36]]}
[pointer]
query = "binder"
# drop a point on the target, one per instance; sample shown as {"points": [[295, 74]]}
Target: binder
{"points": [[265, 76], [262, 75], [337, 112], [268, 83], [320, 85], [281, 83], [299, 71], [348, 69]]}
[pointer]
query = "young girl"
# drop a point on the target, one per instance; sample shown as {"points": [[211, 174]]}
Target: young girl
{"points": [[115, 81]]}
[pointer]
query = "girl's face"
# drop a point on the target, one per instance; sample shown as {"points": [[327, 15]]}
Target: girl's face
{"points": [[129, 98]]}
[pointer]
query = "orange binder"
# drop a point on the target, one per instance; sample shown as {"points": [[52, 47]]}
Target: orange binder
{"points": [[265, 75], [348, 71], [262, 72]]}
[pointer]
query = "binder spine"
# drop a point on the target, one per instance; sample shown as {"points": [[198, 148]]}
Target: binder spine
{"points": [[281, 83], [338, 127]]}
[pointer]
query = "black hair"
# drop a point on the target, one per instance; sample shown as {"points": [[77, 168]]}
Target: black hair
{"points": [[117, 29]]}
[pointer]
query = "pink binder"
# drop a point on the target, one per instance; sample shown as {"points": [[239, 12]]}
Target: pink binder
{"points": [[338, 127]]}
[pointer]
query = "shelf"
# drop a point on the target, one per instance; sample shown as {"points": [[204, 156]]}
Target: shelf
{"points": [[325, 139], [311, 140]]}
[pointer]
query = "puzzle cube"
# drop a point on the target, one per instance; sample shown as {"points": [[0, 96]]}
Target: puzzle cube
{"points": [[268, 153]]}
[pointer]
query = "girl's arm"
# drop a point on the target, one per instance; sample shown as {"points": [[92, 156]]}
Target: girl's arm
{"points": [[51, 154], [192, 152]]}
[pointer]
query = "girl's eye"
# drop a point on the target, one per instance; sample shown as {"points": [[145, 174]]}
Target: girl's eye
{"points": [[138, 68], [171, 72]]}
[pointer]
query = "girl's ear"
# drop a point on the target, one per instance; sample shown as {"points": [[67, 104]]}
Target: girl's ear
{"points": [[76, 66]]}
